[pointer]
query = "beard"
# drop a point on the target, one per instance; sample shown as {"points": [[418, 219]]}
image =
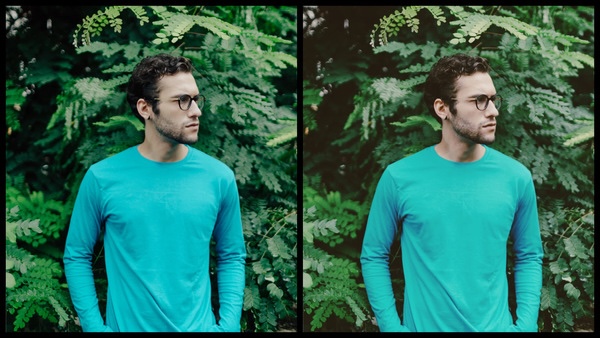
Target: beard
{"points": [[471, 132], [173, 132]]}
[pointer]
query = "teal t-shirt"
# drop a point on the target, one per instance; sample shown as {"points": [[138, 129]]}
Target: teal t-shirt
{"points": [[455, 220], [158, 220]]}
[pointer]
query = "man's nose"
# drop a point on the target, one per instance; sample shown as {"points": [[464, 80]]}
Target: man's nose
{"points": [[492, 110], [194, 110]]}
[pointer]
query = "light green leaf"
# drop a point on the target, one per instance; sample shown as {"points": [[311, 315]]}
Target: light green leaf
{"points": [[305, 264], [307, 231], [278, 247], [572, 291], [274, 290], [307, 281], [10, 280]]}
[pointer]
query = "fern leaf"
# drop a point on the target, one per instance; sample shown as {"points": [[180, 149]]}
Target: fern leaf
{"points": [[575, 58], [322, 227], [218, 27], [285, 135], [575, 247], [269, 179], [251, 297], [568, 181], [419, 120], [388, 89], [10, 279], [581, 135], [517, 28], [572, 291], [358, 312], [120, 121], [549, 299], [92, 90], [307, 281], [437, 13], [274, 290], [278, 248], [62, 313]]}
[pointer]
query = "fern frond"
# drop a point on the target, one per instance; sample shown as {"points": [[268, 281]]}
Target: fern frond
{"points": [[92, 89], [358, 312], [390, 89], [94, 24], [576, 59], [419, 120], [285, 135], [583, 134], [516, 27], [120, 121]]}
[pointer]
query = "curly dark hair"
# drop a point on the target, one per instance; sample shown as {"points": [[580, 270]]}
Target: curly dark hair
{"points": [[145, 76], [441, 82]]}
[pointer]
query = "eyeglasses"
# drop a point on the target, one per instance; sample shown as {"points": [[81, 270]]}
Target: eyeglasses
{"points": [[185, 101], [482, 101]]}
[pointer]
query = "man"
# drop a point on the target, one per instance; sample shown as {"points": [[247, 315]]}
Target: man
{"points": [[159, 203], [456, 204]]}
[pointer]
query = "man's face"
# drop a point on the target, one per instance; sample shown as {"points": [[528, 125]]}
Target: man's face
{"points": [[469, 123], [172, 123]]}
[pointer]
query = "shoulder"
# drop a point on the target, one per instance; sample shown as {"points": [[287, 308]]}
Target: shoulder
{"points": [[411, 167], [508, 163], [414, 160], [200, 158], [115, 161]]}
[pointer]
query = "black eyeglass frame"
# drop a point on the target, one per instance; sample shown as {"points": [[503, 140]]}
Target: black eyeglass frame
{"points": [[200, 100], [497, 99]]}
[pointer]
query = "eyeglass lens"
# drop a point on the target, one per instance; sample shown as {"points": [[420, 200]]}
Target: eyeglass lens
{"points": [[185, 101], [482, 101]]}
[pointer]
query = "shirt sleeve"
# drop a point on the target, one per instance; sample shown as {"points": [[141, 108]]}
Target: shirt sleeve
{"points": [[231, 260], [382, 227], [528, 254], [83, 233]]}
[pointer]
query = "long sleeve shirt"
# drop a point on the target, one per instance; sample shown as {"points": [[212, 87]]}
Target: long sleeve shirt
{"points": [[158, 220], [455, 220]]}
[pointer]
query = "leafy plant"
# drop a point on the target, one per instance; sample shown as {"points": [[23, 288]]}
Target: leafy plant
{"points": [[53, 213], [32, 282], [374, 115], [14, 100], [330, 284], [270, 294], [245, 60], [347, 214], [568, 290]]}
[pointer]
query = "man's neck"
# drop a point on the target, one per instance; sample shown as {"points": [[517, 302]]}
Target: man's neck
{"points": [[163, 151], [460, 151]]}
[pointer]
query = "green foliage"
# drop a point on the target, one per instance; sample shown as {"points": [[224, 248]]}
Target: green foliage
{"points": [[568, 290], [541, 58], [93, 25], [330, 283], [583, 134], [14, 100], [32, 282], [53, 215], [176, 25], [245, 65], [348, 215], [311, 99], [390, 25], [270, 294]]}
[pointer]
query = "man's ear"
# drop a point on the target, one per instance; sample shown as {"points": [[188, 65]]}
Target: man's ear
{"points": [[144, 108], [441, 108]]}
